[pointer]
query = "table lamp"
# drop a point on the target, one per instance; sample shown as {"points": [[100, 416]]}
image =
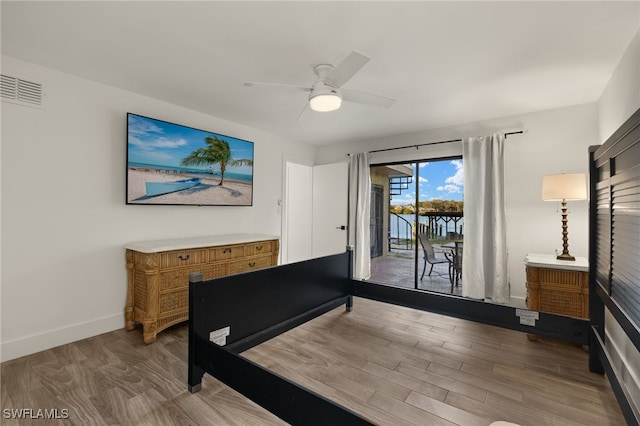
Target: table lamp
{"points": [[563, 187]]}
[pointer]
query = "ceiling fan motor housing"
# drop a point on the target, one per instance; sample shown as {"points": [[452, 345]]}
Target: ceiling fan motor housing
{"points": [[324, 98]]}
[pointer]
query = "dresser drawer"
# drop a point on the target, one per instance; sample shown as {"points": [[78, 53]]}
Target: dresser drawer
{"points": [[558, 291], [565, 279], [179, 278], [252, 264], [173, 301], [261, 247], [171, 259], [570, 303], [226, 253]]}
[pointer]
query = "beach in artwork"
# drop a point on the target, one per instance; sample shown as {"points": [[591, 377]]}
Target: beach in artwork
{"points": [[208, 192]]}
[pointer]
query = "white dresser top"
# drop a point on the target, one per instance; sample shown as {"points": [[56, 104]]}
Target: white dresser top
{"points": [[550, 261], [196, 242]]}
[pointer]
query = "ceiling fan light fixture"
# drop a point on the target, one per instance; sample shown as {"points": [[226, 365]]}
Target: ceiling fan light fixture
{"points": [[325, 101]]}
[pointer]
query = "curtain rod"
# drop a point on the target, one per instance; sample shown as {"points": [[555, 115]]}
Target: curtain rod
{"points": [[437, 143]]}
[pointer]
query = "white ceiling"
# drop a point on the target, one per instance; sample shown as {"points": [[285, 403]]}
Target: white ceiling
{"points": [[446, 63]]}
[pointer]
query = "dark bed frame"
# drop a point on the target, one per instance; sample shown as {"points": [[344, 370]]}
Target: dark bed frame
{"points": [[259, 305], [614, 256]]}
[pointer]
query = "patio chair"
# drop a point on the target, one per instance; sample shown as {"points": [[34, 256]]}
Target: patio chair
{"points": [[430, 255], [456, 265]]}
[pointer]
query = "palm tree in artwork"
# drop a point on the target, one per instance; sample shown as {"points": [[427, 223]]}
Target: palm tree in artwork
{"points": [[217, 151]]}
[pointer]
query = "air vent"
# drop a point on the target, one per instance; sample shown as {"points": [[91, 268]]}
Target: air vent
{"points": [[23, 92]]}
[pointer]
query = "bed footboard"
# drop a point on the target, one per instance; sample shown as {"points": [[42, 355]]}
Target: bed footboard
{"points": [[232, 314]]}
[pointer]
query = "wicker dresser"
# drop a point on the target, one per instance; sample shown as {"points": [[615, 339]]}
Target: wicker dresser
{"points": [[158, 273], [558, 286]]}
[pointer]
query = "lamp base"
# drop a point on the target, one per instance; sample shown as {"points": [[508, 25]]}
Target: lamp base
{"points": [[565, 256]]}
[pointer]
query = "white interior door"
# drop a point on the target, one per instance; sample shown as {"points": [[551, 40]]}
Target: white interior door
{"points": [[330, 201], [297, 217]]}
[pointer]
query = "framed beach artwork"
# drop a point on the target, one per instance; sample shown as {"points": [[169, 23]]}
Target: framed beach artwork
{"points": [[171, 164]]}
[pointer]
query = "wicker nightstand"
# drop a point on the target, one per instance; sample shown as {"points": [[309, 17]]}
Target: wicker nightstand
{"points": [[558, 286]]}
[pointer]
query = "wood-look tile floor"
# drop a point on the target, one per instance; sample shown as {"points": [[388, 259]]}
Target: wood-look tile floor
{"points": [[393, 365]]}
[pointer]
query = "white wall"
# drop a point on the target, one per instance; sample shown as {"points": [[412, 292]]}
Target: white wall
{"points": [[64, 218], [621, 97], [556, 141]]}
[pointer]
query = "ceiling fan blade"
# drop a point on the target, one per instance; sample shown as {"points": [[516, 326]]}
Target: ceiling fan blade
{"points": [[276, 86], [367, 98], [346, 69], [302, 111]]}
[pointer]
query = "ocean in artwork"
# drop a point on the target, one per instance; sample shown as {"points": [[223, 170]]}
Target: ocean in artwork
{"points": [[211, 173]]}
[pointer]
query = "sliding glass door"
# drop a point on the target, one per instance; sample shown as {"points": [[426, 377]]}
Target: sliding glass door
{"points": [[422, 218]]}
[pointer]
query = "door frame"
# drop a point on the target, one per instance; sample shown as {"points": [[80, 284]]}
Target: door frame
{"points": [[377, 215]]}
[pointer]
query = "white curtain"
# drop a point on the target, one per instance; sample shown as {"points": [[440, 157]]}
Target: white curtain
{"points": [[359, 207], [484, 260]]}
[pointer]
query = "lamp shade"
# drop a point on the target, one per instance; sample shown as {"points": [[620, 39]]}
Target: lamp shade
{"points": [[565, 186]]}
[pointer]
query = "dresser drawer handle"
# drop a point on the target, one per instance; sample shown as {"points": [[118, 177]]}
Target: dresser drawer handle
{"points": [[252, 264], [258, 247], [181, 257], [227, 250]]}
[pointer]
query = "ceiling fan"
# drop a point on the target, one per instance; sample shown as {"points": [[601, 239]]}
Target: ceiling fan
{"points": [[326, 93]]}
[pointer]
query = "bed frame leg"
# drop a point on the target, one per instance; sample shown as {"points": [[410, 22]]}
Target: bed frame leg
{"points": [[195, 379], [349, 305], [194, 373]]}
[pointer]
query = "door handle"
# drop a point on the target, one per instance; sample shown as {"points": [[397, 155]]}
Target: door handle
{"points": [[341, 227]]}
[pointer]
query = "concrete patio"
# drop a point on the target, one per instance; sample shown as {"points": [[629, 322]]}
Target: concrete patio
{"points": [[397, 269]]}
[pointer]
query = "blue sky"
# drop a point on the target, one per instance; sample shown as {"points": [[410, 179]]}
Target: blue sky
{"points": [[165, 144], [442, 180]]}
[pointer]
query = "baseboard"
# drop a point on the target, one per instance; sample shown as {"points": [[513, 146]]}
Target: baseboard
{"points": [[518, 302], [39, 342]]}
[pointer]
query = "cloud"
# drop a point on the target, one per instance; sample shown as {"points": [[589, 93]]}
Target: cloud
{"points": [[404, 199], [147, 136], [141, 127], [157, 143], [458, 178], [423, 180], [168, 143], [451, 189]]}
